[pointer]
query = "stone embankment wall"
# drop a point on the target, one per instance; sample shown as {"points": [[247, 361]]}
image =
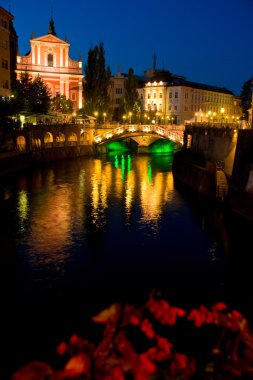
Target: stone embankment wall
{"points": [[195, 165], [13, 161], [193, 173]]}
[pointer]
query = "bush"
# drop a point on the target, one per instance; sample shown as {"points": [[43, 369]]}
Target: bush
{"points": [[155, 341]]}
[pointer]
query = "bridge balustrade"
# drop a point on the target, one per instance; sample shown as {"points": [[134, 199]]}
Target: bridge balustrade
{"points": [[162, 131]]}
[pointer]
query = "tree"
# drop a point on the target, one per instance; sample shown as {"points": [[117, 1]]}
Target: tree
{"points": [[60, 104], [40, 100], [246, 96], [130, 100], [31, 95], [97, 83]]}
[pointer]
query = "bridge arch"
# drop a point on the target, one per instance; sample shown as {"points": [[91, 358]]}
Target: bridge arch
{"points": [[134, 131], [36, 143], [72, 138], [21, 143], [60, 137], [84, 138], [48, 139]]}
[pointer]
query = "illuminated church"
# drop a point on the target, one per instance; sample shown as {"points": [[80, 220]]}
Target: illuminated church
{"points": [[49, 58]]}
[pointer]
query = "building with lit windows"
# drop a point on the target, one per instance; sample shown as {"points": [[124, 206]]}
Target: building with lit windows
{"points": [[118, 87], [173, 99], [49, 58], [8, 52]]}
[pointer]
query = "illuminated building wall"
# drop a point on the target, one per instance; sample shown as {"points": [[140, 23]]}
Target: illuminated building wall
{"points": [[181, 100], [5, 53], [49, 58]]}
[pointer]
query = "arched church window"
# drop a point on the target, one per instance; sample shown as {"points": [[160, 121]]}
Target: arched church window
{"points": [[50, 60]]}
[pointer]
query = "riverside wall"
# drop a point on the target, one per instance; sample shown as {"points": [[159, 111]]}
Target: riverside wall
{"points": [[195, 165], [15, 160]]}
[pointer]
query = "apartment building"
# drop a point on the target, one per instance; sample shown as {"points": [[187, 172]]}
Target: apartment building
{"points": [[176, 100], [8, 51]]}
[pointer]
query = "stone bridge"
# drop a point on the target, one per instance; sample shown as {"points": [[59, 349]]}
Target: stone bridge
{"points": [[143, 134], [45, 136]]}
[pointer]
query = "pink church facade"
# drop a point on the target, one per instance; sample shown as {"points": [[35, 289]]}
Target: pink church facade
{"points": [[49, 58]]}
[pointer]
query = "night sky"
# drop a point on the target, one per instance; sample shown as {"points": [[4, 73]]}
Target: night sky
{"points": [[207, 41]]}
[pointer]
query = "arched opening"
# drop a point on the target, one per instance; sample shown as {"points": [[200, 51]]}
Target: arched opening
{"points": [[48, 140], [60, 139], [21, 143], [84, 138], [50, 60], [72, 138], [36, 144]]}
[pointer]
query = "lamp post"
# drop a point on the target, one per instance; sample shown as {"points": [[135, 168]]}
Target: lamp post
{"points": [[104, 115], [130, 117], [124, 118], [196, 117]]}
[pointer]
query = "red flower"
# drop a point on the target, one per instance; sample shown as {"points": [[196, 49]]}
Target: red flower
{"points": [[147, 328], [34, 371], [62, 348], [181, 365], [163, 312], [111, 314]]}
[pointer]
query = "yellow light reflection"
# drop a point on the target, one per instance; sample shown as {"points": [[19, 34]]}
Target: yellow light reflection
{"points": [[23, 206]]}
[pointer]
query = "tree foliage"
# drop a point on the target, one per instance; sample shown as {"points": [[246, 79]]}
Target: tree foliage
{"points": [[130, 100], [32, 95], [246, 96], [97, 83], [60, 104]]}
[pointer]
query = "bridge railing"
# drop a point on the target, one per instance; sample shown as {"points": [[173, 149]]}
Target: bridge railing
{"points": [[163, 131]]}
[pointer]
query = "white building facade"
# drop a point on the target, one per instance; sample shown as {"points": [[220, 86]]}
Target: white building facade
{"points": [[179, 101]]}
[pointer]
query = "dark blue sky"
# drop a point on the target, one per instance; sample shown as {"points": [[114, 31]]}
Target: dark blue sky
{"points": [[208, 41]]}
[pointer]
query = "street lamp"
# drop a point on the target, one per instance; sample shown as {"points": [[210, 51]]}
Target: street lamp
{"points": [[104, 114], [124, 118], [196, 115], [130, 117]]}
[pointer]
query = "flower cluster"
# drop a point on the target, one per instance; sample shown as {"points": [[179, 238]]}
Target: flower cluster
{"points": [[141, 343]]}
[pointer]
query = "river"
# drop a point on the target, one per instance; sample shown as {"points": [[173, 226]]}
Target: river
{"points": [[80, 234]]}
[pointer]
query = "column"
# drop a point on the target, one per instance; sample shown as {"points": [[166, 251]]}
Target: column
{"points": [[38, 54], [67, 88], [61, 57], [61, 87], [80, 95], [33, 55]]}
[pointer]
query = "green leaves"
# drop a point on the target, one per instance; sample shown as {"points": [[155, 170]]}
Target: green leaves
{"points": [[97, 83]]}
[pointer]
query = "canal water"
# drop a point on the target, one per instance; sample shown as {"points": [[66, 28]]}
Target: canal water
{"points": [[80, 234]]}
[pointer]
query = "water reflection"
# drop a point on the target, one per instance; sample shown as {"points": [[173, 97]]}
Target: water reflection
{"points": [[96, 213], [100, 230], [22, 207]]}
